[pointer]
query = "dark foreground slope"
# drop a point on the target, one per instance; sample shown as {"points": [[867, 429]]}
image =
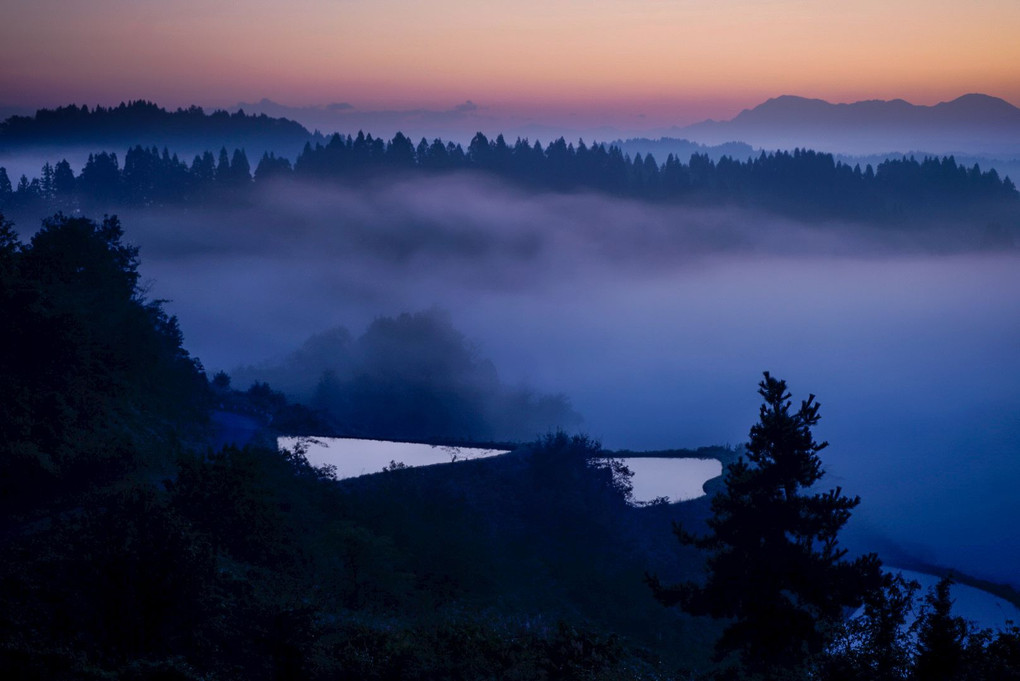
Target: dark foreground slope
{"points": [[132, 551], [94, 378]]}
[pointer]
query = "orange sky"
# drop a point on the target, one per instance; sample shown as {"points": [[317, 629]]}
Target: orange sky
{"points": [[674, 61]]}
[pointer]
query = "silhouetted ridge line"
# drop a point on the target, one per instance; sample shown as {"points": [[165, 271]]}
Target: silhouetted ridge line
{"points": [[970, 124], [801, 182], [970, 108], [142, 121]]}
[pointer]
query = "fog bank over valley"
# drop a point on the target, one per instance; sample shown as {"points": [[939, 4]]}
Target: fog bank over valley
{"points": [[655, 322]]}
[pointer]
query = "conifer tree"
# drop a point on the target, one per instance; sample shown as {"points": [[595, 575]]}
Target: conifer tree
{"points": [[63, 179], [774, 567], [941, 639], [240, 168], [6, 188]]}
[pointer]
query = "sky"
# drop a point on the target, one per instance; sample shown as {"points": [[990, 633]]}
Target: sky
{"points": [[625, 63]]}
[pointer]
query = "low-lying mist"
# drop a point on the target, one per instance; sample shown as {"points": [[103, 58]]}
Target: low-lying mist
{"points": [[412, 377], [656, 322]]}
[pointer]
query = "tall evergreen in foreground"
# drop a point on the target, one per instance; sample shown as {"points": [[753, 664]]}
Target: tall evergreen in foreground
{"points": [[774, 566]]}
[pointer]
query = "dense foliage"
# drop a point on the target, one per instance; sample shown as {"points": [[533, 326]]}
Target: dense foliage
{"points": [[130, 554], [134, 550], [802, 183], [142, 121], [775, 569], [94, 376]]}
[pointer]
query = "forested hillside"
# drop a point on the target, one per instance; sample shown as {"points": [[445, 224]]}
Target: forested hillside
{"points": [[801, 183], [134, 550], [142, 122]]}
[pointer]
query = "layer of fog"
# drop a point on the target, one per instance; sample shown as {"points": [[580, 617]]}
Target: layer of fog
{"points": [[656, 321], [413, 377]]}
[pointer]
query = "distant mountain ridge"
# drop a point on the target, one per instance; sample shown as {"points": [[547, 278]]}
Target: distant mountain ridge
{"points": [[968, 109], [974, 123], [147, 124]]}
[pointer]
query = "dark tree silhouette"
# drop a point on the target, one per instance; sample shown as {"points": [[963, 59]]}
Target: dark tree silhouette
{"points": [[223, 167], [400, 151], [271, 166], [774, 566], [6, 188], [145, 123], [802, 182], [941, 638], [88, 366], [101, 176], [240, 168], [63, 179], [203, 170], [46, 181], [878, 643]]}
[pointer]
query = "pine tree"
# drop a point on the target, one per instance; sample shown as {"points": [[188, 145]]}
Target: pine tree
{"points": [[63, 179], [941, 638], [223, 167], [6, 188], [46, 183], [774, 566], [240, 168]]}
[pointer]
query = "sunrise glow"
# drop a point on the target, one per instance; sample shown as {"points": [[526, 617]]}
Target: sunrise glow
{"points": [[611, 60]]}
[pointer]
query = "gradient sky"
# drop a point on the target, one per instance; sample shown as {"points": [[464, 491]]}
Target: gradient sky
{"points": [[671, 61]]}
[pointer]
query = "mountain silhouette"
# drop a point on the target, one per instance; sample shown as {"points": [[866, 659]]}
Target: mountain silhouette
{"points": [[973, 123]]}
